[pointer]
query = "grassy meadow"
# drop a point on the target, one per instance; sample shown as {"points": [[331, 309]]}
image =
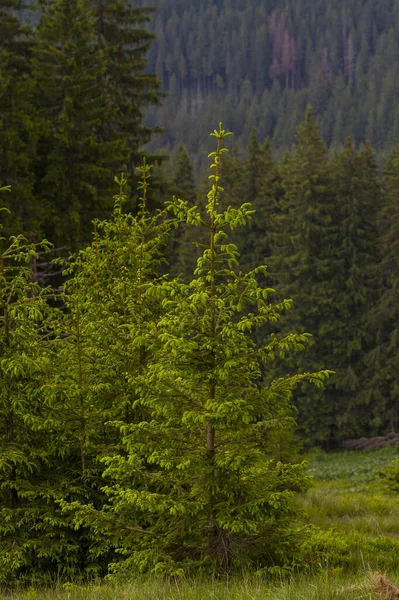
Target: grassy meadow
{"points": [[356, 541]]}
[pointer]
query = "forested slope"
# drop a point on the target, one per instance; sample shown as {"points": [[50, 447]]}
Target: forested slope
{"points": [[260, 63]]}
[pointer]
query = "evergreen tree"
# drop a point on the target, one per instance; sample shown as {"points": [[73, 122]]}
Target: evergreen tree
{"points": [[74, 166], [306, 262], [18, 123], [99, 345], [183, 175], [125, 82], [262, 190], [33, 539], [384, 318], [358, 200], [197, 486], [272, 61], [325, 254]]}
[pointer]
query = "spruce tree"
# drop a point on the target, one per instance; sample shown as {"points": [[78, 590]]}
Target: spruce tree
{"points": [[183, 175], [325, 253], [305, 264], [384, 383], [99, 344], [197, 486], [18, 122], [74, 165], [262, 191], [358, 202], [32, 538], [121, 35]]}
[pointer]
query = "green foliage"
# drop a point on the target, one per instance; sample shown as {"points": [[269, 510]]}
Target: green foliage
{"points": [[325, 243], [74, 166], [390, 475], [154, 416], [64, 376], [197, 487], [383, 319], [183, 175], [358, 201], [98, 345], [121, 33], [30, 532], [261, 64], [73, 93], [182, 252], [18, 120]]}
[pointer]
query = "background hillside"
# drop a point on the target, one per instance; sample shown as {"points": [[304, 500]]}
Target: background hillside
{"points": [[260, 63]]}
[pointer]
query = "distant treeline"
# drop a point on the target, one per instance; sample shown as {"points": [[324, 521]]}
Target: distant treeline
{"points": [[256, 62]]}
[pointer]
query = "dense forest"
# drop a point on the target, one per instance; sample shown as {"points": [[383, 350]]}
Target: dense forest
{"points": [[257, 62], [168, 343]]}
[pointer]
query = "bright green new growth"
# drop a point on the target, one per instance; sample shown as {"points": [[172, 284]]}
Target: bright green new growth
{"points": [[24, 518], [63, 377], [143, 408], [196, 486]]}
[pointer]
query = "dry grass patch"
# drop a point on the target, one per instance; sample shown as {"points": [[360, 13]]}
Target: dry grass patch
{"points": [[384, 588]]}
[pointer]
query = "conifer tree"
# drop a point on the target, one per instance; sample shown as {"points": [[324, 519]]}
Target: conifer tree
{"points": [[121, 35], [32, 538], [326, 250], [183, 175], [262, 190], [18, 122], [74, 166], [384, 385], [306, 261], [358, 201], [197, 486], [100, 344]]}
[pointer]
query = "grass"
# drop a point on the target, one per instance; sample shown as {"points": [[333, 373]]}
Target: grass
{"points": [[329, 586], [348, 494], [350, 470], [358, 517]]}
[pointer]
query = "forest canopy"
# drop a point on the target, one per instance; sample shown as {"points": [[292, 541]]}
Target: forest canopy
{"points": [[263, 62], [169, 344]]}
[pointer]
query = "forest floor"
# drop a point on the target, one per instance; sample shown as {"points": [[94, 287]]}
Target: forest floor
{"points": [[358, 516]]}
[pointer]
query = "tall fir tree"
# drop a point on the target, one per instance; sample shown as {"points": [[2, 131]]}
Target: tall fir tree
{"points": [[18, 119], [305, 263], [358, 202], [74, 167], [325, 256], [197, 486], [263, 190], [383, 319], [121, 34]]}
